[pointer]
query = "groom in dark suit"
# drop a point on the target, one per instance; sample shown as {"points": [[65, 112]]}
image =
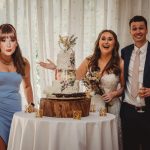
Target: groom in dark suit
{"points": [[135, 108]]}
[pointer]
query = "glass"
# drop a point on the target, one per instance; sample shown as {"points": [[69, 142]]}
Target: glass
{"points": [[39, 113], [77, 114], [103, 112], [140, 100]]}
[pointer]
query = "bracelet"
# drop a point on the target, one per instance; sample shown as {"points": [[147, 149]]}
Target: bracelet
{"points": [[32, 104]]}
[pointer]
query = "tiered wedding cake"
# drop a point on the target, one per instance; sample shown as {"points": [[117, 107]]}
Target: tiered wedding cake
{"points": [[64, 96], [66, 82]]}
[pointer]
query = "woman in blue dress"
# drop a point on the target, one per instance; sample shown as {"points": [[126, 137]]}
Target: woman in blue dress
{"points": [[13, 69]]}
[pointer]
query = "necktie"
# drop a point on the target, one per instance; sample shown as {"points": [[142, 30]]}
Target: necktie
{"points": [[135, 75]]}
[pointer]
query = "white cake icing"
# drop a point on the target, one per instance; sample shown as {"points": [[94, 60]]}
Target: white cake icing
{"points": [[66, 60], [69, 89]]}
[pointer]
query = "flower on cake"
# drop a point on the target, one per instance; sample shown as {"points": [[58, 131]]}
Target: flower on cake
{"points": [[72, 60], [66, 42], [66, 83]]}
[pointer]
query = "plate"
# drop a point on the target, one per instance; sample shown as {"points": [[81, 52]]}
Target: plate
{"points": [[53, 97], [73, 95]]}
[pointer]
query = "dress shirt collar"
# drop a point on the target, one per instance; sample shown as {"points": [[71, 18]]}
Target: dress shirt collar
{"points": [[143, 48]]}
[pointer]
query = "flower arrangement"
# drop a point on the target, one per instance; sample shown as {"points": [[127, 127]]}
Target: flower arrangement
{"points": [[66, 42], [92, 82]]}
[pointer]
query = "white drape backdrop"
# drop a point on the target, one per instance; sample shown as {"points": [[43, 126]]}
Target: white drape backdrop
{"points": [[39, 23]]}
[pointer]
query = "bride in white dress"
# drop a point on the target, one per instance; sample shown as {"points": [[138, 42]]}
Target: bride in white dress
{"points": [[107, 62], [106, 59], [110, 83]]}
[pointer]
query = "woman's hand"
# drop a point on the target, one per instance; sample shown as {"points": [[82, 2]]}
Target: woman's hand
{"points": [[144, 92], [49, 65], [30, 108], [107, 97]]}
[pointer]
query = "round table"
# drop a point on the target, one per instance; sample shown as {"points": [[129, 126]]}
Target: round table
{"points": [[48, 133]]}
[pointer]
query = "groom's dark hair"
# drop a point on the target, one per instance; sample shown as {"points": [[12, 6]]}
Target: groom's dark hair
{"points": [[138, 19]]}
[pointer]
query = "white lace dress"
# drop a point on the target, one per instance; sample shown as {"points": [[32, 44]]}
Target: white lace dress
{"points": [[110, 83]]}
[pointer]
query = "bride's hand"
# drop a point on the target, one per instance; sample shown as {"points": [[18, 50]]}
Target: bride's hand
{"points": [[108, 97], [48, 65]]}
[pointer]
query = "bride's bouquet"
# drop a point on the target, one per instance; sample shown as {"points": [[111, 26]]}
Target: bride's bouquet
{"points": [[92, 82]]}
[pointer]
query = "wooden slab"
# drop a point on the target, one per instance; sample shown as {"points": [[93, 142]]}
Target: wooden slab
{"points": [[63, 108]]}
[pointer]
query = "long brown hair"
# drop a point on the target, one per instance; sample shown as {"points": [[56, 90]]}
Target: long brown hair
{"points": [[113, 64], [18, 60]]}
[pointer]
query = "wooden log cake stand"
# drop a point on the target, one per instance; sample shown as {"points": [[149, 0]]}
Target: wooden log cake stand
{"points": [[64, 107]]}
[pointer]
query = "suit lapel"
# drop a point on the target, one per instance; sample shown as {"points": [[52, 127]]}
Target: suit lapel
{"points": [[146, 78], [147, 61]]}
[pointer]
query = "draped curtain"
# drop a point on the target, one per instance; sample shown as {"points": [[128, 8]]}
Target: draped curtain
{"points": [[40, 22]]}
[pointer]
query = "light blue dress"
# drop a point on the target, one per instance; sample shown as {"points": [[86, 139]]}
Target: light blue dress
{"points": [[10, 100]]}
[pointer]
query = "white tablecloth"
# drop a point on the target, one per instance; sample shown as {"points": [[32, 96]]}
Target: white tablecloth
{"points": [[48, 133]]}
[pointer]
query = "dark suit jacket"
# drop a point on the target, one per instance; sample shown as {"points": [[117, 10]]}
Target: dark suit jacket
{"points": [[126, 55]]}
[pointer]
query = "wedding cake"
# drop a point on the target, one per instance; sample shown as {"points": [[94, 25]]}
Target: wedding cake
{"points": [[66, 82], [63, 97]]}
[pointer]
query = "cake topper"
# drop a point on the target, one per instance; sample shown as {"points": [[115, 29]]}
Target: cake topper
{"points": [[66, 42]]}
